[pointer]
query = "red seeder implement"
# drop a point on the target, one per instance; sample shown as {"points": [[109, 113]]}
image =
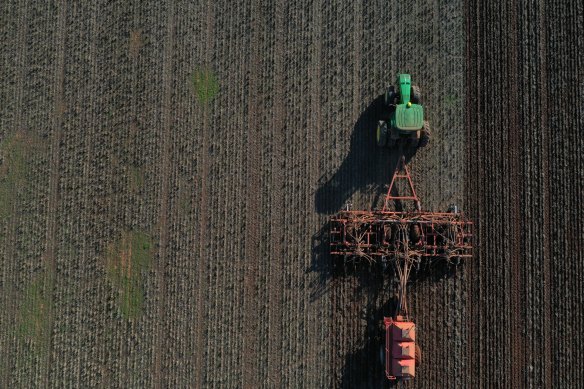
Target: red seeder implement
{"points": [[383, 234], [403, 238]]}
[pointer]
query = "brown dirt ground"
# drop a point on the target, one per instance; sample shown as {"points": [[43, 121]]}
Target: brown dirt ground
{"points": [[237, 191]]}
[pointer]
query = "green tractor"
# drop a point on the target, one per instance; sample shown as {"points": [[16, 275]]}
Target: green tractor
{"points": [[403, 116]]}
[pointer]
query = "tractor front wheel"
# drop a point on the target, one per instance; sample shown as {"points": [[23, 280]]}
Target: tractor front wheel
{"points": [[416, 95], [390, 95], [425, 134], [381, 135]]}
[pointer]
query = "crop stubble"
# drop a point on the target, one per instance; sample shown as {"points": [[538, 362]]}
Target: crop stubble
{"points": [[239, 295]]}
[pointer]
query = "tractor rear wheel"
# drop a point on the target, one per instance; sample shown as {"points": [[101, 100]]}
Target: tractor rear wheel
{"points": [[425, 134], [381, 136], [390, 95], [416, 95]]}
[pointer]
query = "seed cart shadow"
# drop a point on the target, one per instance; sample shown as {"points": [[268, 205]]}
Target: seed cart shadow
{"points": [[363, 367]]}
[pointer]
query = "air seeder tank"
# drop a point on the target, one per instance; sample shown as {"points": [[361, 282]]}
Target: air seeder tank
{"points": [[401, 352]]}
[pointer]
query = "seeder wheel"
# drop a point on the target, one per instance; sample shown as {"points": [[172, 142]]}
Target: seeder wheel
{"points": [[418, 356]]}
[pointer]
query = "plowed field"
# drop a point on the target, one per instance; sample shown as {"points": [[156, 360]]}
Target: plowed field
{"points": [[167, 170]]}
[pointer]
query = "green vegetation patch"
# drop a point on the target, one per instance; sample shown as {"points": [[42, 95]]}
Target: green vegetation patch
{"points": [[185, 195], [451, 100], [33, 315], [136, 179], [15, 169], [205, 84], [128, 260]]}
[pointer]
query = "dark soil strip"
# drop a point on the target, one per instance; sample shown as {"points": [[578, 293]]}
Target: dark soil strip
{"points": [[52, 211], [535, 167], [276, 204], [546, 343], [252, 212], [165, 177], [515, 206], [496, 185], [566, 88], [472, 177]]}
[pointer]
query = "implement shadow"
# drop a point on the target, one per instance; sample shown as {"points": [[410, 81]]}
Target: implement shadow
{"points": [[364, 366]]}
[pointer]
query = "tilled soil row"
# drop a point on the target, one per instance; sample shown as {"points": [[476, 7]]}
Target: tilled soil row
{"points": [[235, 192], [523, 176], [562, 198]]}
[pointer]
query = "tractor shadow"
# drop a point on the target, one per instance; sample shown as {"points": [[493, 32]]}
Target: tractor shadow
{"points": [[366, 165]]}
